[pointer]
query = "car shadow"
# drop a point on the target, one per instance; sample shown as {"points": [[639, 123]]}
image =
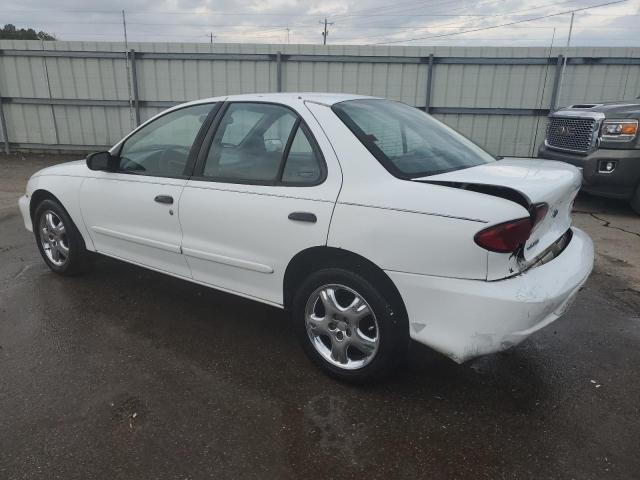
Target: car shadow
{"points": [[255, 345]]}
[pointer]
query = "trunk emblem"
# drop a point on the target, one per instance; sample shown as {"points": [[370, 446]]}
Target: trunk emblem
{"points": [[555, 213]]}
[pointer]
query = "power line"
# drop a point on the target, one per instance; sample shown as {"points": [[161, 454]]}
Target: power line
{"points": [[374, 19], [528, 9], [452, 25], [382, 10], [501, 25], [364, 10]]}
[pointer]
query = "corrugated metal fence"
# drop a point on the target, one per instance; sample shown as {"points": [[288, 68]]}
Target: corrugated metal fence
{"points": [[87, 95]]}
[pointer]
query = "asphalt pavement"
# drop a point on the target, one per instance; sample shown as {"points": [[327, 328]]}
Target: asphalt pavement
{"points": [[123, 373]]}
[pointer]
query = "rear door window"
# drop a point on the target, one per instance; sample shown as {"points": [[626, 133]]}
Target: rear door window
{"points": [[262, 143]]}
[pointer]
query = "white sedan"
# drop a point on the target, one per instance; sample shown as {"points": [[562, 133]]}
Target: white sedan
{"points": [[372, 222]]}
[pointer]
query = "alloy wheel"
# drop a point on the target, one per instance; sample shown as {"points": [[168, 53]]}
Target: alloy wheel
{"points": [[342, 326], [53, 238]]}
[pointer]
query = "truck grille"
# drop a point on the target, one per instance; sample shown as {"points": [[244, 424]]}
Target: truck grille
{"points": [[573, 134]]}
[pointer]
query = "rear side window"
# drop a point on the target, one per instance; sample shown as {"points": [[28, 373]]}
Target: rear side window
{"points": [[263, 143], [302, 163], [408, 142]]}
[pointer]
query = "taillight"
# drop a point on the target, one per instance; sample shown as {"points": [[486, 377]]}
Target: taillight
{"points": [[505, 237], [508, 236]]}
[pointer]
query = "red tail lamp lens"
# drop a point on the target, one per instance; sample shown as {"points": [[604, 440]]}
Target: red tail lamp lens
{"points": [[505, 237]]}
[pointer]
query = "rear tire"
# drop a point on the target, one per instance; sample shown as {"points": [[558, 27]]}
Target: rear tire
{"points": [[348, 326], [58, 239], [635, 200]]}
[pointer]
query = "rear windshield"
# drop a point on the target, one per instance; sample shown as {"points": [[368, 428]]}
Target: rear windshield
{"points": [[407, 141]]}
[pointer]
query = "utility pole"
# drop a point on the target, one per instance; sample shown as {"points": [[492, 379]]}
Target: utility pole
{"points": [[325, 33], [124, 27], [288, 34], [127, 68], [211, 37], [46, 74], [564, 62]]}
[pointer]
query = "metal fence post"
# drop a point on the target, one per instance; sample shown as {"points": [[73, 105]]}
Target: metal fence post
{"points": [[134, 81], [3, 126], [556, 84], [427, 107], [279, 71]]}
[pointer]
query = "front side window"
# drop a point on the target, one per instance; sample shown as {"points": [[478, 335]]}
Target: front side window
{"points": [[262, 143], [161, 148], [407, 141]]}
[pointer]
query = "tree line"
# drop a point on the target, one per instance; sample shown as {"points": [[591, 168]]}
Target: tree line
{"points": [[10, 32]]}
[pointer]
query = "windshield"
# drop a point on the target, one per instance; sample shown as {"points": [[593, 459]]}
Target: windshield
{"points": [[408, 142]]}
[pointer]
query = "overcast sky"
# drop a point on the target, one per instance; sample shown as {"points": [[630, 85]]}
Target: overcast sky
{"points": [[402, 22]]}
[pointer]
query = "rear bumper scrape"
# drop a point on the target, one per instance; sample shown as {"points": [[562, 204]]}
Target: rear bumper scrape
{"points": [[464, 319]]}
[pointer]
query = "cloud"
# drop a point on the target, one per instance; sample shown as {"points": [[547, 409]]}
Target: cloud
{"points": [[435, 22]]}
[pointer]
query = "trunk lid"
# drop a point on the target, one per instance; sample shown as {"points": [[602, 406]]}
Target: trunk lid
{"points": [[536, 181]]}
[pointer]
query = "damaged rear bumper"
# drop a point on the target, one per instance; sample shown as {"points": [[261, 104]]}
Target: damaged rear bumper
{"points": [[464, 319]]}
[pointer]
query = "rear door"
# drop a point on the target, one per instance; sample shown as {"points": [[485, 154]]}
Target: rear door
{"points": [[264, 189], [131, 213]]}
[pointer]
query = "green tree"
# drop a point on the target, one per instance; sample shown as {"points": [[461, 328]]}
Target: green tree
{"points": [[10, 31]]}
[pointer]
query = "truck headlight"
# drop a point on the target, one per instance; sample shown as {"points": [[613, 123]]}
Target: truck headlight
{"points": [[619, 130]]}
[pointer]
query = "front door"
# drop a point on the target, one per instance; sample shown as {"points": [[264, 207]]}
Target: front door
{"points": [[132, 212], [263, 190]]}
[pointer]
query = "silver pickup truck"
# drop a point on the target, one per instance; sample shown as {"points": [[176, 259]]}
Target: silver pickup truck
{"points": [[602, 139]]}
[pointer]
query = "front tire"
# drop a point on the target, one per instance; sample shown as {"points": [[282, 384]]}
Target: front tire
{"points": [[348, 326], [58, 239]]}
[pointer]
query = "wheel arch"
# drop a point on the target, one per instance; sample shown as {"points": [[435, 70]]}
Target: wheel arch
{"points": [[38, 196], [315, 258], [41, 194]]}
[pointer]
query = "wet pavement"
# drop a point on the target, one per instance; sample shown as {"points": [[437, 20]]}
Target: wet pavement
{"points": [[124, 373]]}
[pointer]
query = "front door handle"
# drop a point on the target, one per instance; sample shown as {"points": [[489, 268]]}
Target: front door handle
{"points": [[168, 199], [303, 217]]}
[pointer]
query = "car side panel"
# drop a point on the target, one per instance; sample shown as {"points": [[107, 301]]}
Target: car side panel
{"points": [[409, 242]]}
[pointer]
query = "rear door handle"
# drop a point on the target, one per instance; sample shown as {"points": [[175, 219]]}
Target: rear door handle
{"points": [[303, 217], [168, 199]]}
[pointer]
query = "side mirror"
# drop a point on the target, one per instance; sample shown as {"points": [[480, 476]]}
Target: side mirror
{"points": [[101, 161]]}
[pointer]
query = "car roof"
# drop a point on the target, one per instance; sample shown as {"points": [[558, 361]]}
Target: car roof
{"points": [[324, 98]]}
